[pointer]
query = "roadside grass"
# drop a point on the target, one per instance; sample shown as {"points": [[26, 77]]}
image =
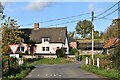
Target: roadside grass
{"points": [[19, 73], [113, 74], [54, 61]]}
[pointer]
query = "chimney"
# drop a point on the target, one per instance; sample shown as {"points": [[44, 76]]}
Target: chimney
{"points": [[36, 25]]}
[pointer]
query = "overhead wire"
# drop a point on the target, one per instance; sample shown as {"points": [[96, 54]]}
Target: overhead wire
{"points": [[97, 17], [108, 14], [58, 19], [67, 22], [108, 9]]}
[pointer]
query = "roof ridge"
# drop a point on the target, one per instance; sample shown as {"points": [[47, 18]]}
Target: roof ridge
{"points": [[46, 28]]}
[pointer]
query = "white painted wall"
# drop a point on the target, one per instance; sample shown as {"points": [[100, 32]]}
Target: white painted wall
{"points": [[66, 45], [52, 47]]}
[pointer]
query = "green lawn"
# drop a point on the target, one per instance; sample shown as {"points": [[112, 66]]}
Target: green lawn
{"points": [[53, 61], [100, 71]]}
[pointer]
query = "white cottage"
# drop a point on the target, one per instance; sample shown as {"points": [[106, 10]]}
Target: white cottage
{"points": [[44, 40]]}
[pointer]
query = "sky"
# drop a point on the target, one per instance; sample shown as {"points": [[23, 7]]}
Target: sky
{"points": [[28, 13]]}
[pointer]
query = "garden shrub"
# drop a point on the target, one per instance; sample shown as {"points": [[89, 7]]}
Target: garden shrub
{"points": [[26, 52], [73, 51], [60, 53], [105, 61]]}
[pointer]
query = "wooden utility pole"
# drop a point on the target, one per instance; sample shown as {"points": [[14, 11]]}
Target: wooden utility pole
{"points": [[92, 34]]}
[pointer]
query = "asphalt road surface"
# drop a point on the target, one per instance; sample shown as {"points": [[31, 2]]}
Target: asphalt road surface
{"points": [[71, 70]]}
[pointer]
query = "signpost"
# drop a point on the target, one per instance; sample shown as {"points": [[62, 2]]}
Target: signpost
{"points": [[14, 48]]}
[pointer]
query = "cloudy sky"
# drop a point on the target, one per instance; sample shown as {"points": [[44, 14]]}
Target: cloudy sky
{"points": [[27, 13]]}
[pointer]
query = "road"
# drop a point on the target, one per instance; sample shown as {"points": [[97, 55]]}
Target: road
{"points": [[60, 71]]}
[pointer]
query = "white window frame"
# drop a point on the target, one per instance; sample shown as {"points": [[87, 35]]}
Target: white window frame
{"points": [[46, 39], [46, 48]]}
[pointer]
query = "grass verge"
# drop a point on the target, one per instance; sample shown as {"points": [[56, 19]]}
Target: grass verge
{"points": [[113, 74], [54, 61]]}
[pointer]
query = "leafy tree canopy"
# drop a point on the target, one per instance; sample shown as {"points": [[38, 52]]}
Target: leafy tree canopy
{"points": [[84, 28], [10, 34]]}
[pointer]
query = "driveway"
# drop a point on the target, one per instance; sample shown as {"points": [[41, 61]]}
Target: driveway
{"points": [[71, 70]]}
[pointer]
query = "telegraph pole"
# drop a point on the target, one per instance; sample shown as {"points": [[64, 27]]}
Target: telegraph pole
{"points": [[92, 34]]}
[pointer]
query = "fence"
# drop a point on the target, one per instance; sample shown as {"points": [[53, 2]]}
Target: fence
{"points": [[92, 61]]}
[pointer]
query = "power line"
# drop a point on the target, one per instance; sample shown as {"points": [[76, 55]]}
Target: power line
{"points": [[67, 22], [103, 18], [109, 14], [108, 9], [77, 16], [58, 19]]}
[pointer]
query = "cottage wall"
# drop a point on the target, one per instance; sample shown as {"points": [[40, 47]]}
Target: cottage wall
{"points": [[52, 47]]}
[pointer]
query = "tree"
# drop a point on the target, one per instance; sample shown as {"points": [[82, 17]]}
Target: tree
{"points": [[111, 31], [84, 28], [71, 34], [116, 55], [97, 35], [10, 34]]}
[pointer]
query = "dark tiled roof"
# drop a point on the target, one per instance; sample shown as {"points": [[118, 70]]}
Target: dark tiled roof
{"points": [[88, 46], [57, 34]]}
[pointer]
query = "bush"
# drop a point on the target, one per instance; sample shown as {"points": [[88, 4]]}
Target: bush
{"points": [[73, 51], [19, 72], [105, 61], [60, 53], [26, 52], [9, 63]]}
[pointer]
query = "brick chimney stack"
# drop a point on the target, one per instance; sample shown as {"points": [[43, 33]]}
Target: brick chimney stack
{"points": [[36, 25]]}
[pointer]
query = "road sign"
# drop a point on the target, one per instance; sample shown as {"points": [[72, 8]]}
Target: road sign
{"points": [[14, 55], [14, 47]]}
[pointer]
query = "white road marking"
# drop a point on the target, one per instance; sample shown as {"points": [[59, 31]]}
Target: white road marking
{"points": [[38, 75], [52, 75]]}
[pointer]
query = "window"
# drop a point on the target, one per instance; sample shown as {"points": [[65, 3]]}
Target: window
{"points": [[46, 39], [22, 48], [45, 48], [58, 47]]}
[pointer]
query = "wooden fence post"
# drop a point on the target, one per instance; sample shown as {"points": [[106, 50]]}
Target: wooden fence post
{"points": [[98, 62], [86, 60]]}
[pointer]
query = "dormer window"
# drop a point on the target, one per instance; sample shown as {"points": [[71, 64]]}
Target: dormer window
{"points": [[45, 39]]}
